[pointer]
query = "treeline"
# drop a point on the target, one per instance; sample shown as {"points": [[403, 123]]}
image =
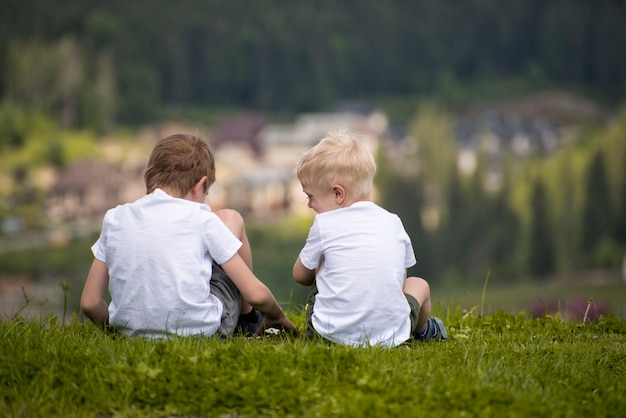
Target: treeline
{"points": [[90, 64], [556, 215], [97, 65]]}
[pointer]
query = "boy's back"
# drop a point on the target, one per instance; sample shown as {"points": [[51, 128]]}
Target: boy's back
{"points": [[356, 254], [159, 250], [155, 256], [364, 251]]}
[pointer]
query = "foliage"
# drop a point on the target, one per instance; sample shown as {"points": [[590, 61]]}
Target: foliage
{"points": [[32, 147], [552, 214], [275, 248], [476, 231], [541, 242], [89, 64], [494, 365], [38, 141], [598, 210], [68, 261], [93, 65]]}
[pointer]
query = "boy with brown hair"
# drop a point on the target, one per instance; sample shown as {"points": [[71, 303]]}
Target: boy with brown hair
{"points": [[356, 255], [160, 257]]}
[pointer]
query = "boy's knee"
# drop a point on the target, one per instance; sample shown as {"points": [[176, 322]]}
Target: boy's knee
{"points": [[417, 282], [418, 288], [230, 217]]}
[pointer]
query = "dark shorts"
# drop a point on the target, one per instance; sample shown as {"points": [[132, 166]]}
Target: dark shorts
{"points": [[310, 331], [224, 289], [310, 302], [414, 314]]}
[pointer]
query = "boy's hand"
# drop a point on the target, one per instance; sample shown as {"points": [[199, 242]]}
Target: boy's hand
{"points": [[283, 323]]}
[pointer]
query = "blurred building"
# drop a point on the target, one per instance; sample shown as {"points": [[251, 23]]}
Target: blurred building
{"points": [[254, 163], [85, 190], [255, 172]]}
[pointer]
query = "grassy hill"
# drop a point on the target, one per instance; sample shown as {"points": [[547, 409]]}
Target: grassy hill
{"points": [[499, 365]]}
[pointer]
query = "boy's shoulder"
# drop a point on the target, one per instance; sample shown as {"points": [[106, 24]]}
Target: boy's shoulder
{"points": [[355, 212], [365, 206], [160, 200]]}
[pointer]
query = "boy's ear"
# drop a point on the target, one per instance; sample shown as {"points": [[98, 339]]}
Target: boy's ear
{"points": [[199, 187], [339, 192]]}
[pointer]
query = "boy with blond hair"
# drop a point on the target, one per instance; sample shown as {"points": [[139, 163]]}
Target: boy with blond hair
{"points": [[356, 255], [161, 257]]}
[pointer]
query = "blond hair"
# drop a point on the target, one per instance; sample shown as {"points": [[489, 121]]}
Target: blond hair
{"points": [[179, 162], [339, 158]]}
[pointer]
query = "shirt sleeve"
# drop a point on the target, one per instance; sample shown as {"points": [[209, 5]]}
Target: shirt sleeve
{"points": [[409, 258], [98, 249], [220, 241], [311, 254]]}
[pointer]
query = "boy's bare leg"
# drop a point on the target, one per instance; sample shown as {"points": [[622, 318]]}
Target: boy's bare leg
{"points": [[234, 221], [420, 290]]}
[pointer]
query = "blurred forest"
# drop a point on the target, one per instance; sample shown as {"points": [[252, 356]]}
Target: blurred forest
{"points": [[92, 63], [74, 71]]}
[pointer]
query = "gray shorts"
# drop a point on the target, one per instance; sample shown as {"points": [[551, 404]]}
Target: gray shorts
{"points": [[310, 302], [224, 289]]}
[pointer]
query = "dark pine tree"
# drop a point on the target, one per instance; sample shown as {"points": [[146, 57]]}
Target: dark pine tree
{"points": [[597, 211], [620, 218], [542, 259]]}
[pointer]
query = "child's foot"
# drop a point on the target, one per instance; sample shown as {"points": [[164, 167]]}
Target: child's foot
{"points": [[435, 330], [248, 323]]}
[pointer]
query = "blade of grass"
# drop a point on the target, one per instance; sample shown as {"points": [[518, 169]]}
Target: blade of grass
{"points": [[482, 297]]}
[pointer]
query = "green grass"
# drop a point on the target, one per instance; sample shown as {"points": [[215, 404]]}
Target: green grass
{"points": [[498, 361], [500, 365], [522, 296]]}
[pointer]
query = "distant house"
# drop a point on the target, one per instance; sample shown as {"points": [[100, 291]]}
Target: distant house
{"points": [[254, 163], [309, 128], [261, 193], [244, 182], [532, 125], [284, 144], [240, 131], [255, 159], [87, 189]]}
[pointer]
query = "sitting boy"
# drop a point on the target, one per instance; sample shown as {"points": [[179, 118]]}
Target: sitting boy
{"points": [[157, 256], [356, 255]]}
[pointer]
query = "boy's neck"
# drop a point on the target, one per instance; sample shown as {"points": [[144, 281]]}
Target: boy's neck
{"points": [[348, 203], [172, 193]]}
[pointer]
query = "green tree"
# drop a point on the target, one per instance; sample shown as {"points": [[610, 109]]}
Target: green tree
{"points": [[302, 55], [503, 230], [567, 227], [542, 259], [597, 211], [402, 194], [140, 103], [13, 126], [452, 234], [620, 230]]}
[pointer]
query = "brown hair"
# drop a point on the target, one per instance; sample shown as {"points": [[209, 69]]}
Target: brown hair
{"points": [[179, 162]]}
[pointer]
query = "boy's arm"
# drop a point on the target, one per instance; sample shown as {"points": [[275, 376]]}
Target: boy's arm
{"points": [[92, 299], [303, 275], [256, 293]]}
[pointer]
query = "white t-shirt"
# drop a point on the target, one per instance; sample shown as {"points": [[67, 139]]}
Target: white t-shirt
{"points": [[362, 252], [159, 252]]}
